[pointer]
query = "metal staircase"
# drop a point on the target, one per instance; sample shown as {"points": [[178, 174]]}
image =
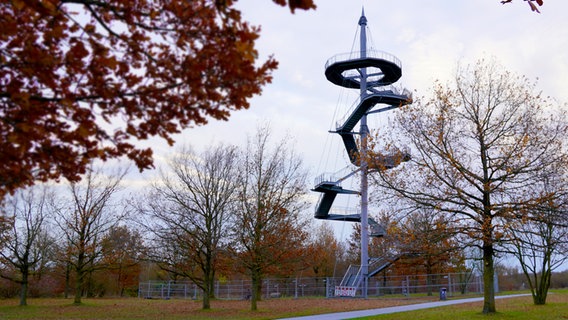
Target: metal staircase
{"points": [[377, 265], [344, 70], [352, 277], [373, 73], [330, 188]]}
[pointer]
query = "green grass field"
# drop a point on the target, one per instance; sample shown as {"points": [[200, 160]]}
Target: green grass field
{"points": [[514, 308], [133, 308]]}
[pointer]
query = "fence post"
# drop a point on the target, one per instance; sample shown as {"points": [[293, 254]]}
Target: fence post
{"points": [[496, 282], [449, 284]]}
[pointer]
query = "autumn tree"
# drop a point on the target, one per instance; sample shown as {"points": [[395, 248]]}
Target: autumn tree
{"points": [[84, 217], [190, 214], [82, 80], [477, 144], [269, 228], [428, 241], [29, 246], [122, 252], [325, 251]]}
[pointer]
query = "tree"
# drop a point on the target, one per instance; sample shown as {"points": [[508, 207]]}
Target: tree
{"points": [[531, 3], [325, 251], [84, 219], [428, 241], [191, 210], [539, 241], [122, 252], [80, 80], [269, 230], [477, 145], [29, 244]]}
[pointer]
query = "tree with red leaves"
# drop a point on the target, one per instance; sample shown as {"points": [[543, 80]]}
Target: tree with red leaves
{"points": [[83, 80]]}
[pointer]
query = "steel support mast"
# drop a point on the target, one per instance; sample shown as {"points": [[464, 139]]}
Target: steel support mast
{"points": [[364, 130]]}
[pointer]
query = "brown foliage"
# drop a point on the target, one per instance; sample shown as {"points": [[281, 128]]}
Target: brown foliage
{"points": [[122, 251], [82, 80], [531, 3]]}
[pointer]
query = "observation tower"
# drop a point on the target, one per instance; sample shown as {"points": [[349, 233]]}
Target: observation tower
{"points": [[373, 73]]}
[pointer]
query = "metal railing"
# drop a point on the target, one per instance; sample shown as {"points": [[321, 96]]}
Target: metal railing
{"points": [[386, 90], [378, 54]]}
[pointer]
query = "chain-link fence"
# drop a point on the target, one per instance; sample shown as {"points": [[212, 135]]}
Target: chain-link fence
{"points": [[272, 288]]}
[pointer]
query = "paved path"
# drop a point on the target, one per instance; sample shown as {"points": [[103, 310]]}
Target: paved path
{"points": [[410, 307]]}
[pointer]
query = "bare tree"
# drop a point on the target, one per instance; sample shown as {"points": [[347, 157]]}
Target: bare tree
{"points": [[269, 229], [540, 239], [29, 244], [477, 145], [190, 214], [84, 218]]}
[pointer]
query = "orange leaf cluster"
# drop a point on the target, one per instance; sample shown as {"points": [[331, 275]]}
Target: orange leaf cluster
{"points": [[82, 80]]}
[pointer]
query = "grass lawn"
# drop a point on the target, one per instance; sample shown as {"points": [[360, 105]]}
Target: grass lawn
{"points": [[507, 309], [133, 308]]}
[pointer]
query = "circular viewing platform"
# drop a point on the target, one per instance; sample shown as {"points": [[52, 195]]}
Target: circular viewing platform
{"points": [[384, 69]]}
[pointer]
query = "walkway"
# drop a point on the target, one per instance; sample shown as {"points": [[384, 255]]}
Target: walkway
{"points": [[411, 307]]}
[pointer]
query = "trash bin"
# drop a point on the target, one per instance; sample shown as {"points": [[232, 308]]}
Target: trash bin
{"points": [[443, 294]]}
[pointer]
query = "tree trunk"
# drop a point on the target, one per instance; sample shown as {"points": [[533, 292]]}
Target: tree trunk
{"points": [[208, 282], [119, 281], [256, 289], [79, 279], [488, 279], [67, 280], [24, 289], [78, 287], [541, 290], [429, 279]]}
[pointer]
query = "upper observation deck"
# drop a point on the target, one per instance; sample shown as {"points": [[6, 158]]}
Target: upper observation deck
{"points": [[382, 69]]}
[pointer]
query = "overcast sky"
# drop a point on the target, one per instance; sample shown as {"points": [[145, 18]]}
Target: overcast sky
{"points": [[429, 37]]}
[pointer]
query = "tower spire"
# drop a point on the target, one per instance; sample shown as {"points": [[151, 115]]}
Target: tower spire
{"points": [[363, 19]]}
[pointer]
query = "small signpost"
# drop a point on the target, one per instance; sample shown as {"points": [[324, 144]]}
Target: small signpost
{"points": [[342, 291]]}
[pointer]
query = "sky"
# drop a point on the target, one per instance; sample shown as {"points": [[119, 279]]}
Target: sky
{"points": [[429, 37]]}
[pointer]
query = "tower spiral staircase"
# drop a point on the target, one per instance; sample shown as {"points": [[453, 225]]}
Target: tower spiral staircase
{"points": [[373, 73]]}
